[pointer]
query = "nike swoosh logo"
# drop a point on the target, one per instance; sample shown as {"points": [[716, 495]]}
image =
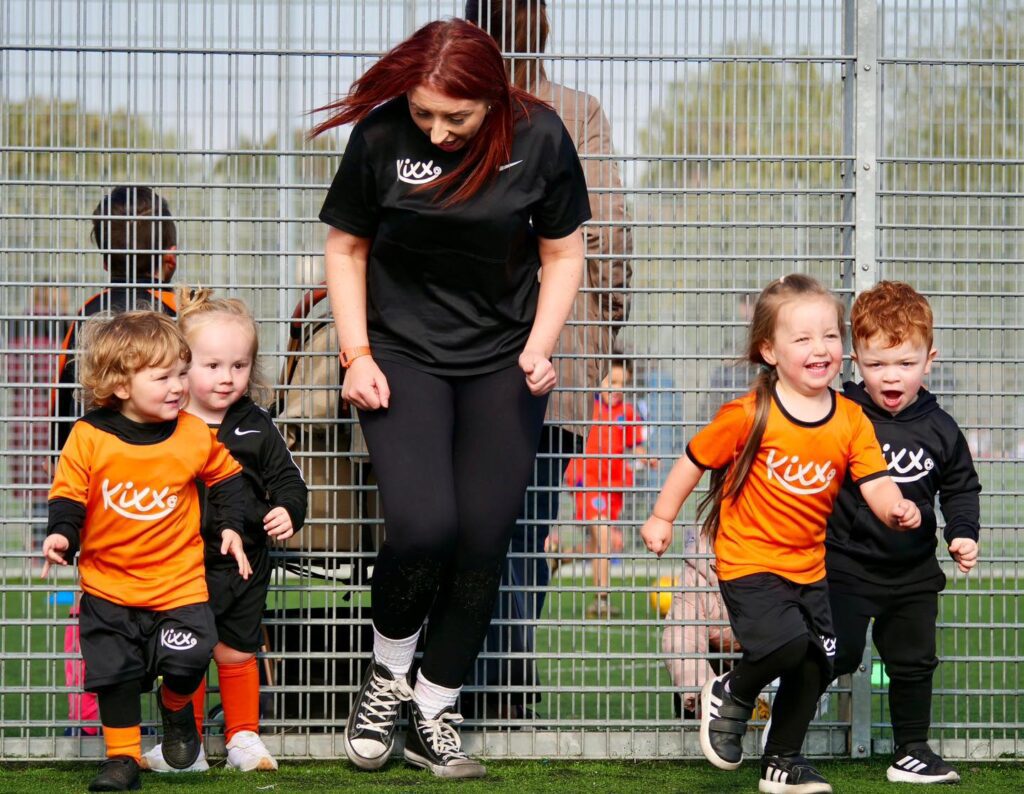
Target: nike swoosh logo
{"points": [[239, 432], [508, 165]]}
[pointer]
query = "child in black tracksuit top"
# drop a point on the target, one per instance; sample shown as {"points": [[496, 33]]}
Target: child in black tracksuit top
{"points": [[223, 337], [894, 577]]}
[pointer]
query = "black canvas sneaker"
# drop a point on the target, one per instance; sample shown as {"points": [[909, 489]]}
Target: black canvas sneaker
{"points": [[119, 773], [370, 729], [916, 763], [790, 774], [723, 721], [435, 745], [181, 743]]}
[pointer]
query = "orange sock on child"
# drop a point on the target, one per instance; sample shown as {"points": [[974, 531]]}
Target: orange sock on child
{"points": [[172, 700], [123, 741], [199, 706], [240, 697]]}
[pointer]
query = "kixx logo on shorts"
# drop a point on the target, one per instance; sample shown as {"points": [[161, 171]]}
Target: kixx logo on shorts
{"points": [[138, 504], [917, 465], [800, 478], [829, 645], [417, 173], [178, 640]]}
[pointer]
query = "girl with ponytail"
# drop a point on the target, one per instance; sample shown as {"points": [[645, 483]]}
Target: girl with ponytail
{"points": [[778, 456]]}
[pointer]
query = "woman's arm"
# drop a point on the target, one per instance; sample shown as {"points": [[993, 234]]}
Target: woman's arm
{"points": [[561, 272], [345, 258]]}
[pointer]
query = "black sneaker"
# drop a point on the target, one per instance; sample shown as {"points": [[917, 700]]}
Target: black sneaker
{"points": [[790, 774], [435, 745], [181, 743], [723, 721], [370, 729], [916, 763], [119, 773]]}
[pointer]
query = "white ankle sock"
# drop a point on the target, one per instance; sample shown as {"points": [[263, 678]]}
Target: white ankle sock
{"points": [[432, 699], [396, 655]]}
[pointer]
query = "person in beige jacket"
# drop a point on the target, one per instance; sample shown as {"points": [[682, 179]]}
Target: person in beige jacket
{"points": [[521, 28]]}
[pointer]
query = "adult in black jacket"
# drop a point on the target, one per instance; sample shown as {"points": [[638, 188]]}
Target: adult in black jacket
{"points": [[894, 577]]}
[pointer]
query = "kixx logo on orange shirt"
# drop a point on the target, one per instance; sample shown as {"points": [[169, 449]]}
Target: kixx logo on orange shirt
{"points": [[800, 478], [138, 504]]}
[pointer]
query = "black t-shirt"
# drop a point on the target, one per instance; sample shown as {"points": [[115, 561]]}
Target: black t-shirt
{"points": [[453, 290]]}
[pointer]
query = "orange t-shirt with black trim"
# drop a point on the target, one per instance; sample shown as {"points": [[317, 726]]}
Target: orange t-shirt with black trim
{"points": [[140, 543], [776, 524]]}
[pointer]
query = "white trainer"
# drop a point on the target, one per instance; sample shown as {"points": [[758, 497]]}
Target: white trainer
{"points": [[247, 753], [154, 761]]}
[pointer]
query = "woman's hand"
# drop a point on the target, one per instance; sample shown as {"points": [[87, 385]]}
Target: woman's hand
{"points": [[540, 374], [365, 386]]}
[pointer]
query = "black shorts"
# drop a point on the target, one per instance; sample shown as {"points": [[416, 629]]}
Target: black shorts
{"points": [[238, 603], [127, 643], [767, 611]]}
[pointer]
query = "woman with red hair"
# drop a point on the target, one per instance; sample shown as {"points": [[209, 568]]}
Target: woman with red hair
{"points": [[453, 260]]}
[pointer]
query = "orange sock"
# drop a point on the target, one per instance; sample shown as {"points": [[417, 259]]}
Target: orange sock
{"points": [[240, 697], [123, 741], [172, 700], [199, 706]]}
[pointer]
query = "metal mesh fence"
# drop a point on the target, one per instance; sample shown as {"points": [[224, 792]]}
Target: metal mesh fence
{"points": [[853, 141]]}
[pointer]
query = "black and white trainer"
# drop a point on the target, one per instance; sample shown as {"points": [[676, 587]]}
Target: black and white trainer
{"points": [[436, 745], [370, 729], [790, 774], [916, 763], [723, 722]]}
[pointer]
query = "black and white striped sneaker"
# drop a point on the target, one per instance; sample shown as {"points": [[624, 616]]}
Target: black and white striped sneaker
{"points": [[790, 774], [370, 729], [436, 745], [916, 763], [723, 721]]}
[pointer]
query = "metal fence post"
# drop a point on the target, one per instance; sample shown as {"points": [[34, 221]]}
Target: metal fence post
{"points": [[866, 164], [860, 705]]}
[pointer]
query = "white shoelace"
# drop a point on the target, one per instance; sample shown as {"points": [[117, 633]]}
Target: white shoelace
{"points": [[444, 739], [381, 704]]}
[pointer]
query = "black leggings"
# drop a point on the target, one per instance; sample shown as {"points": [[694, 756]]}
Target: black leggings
{"points": [[804, 674], [453, 457]]}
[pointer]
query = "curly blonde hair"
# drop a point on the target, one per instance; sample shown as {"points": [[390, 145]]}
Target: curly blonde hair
{"points": [[198, 306], [116, 347]]}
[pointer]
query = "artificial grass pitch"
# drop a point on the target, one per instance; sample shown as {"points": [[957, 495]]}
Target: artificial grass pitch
{"points": [[563, 777]]}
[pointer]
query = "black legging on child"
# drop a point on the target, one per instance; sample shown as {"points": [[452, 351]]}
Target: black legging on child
{"points": [[453, 457], [803, 675]]}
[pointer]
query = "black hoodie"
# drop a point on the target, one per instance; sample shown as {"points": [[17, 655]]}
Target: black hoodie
{"points": [[927, 456], [271, 476]]}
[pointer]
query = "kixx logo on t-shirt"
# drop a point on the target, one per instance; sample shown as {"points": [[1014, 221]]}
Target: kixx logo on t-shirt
{"points": [[913, 468], [418, 173], [138, 504], [798, 477]]}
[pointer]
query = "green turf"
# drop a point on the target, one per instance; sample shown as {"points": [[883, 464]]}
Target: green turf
{"points": [[560, 777]]}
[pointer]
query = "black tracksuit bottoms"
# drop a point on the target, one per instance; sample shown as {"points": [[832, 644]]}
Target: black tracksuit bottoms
{"points": [[453, 457], [904, 633]]}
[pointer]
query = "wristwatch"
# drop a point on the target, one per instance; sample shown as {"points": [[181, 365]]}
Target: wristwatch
{"points": [[350, 354]]}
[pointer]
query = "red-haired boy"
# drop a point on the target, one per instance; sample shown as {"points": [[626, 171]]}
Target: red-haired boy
{"points": [[894, 577]]}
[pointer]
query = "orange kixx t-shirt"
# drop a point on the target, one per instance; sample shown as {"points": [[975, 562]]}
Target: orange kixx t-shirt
{"points": [[777, 522], [141, 545]]}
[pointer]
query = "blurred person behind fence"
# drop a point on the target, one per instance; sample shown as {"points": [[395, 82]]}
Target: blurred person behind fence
{"points": [[521, 29]]}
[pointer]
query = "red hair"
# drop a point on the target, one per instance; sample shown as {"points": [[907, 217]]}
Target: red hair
{"points": [[459, 60], [896, 312]]}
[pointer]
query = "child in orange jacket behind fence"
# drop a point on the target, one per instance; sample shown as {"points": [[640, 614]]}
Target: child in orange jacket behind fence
{"points": [[779, 456], [125, 493], [604, 473]]}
